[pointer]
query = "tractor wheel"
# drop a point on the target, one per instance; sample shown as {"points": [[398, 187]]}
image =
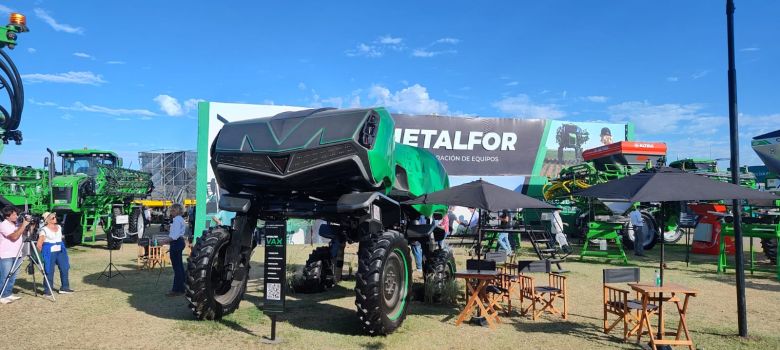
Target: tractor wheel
{"points": [[770, 248], [439, 270], [136, 225], [318, 272], [382, 282], [210, 293], [651, 233], [114, 243], [673, 236], [71, 229]]}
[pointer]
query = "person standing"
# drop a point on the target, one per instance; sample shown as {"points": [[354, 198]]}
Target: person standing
{"points": [[503, 237], [416, 246], [639, 233], [556, 227], [53, 253], [10, 242], [176, 235]]}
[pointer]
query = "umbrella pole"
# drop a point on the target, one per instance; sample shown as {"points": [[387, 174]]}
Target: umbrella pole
{"points": [[661, 295], [739, 265]]}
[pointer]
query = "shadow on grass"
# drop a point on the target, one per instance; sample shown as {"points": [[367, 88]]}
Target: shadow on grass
{"points": [[146, 291], [751, 281], [587, 331]]}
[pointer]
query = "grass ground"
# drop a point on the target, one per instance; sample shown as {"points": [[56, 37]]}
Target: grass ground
{"points": [[132, 312]]}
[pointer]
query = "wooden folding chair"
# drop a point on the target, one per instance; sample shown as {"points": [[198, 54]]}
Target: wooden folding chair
{"points": [[616, 301], [541, 298]]}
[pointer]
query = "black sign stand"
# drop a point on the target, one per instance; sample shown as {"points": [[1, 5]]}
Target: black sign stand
{"points": [[274, 278]]}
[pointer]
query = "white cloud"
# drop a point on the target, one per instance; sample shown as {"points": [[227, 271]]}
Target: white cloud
{"points": [[86, 78], [411, 100], [672, 79], [66, 116], [597, 99], [354, 102], [83, 55], [700, 74], [60, 27], [512, 83], [80, 107], [750, 49], [452, 41], [301, 86], [364, 50], [522, 106], [6, 10], [31, 50], [115, 62], [425, 53], [667, 118], [171, 106], [336, 102], [43, 104], [389, 40]]}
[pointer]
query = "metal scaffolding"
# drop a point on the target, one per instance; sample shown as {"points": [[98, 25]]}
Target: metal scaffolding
{"points": [[173, 173]]}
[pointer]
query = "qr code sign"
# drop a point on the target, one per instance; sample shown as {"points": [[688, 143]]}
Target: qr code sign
{"points": [[274, 291]]}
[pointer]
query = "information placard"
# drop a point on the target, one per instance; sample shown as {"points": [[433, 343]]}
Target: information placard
{"points": [[275, 275]]}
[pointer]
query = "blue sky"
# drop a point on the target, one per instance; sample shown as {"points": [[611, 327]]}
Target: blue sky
{"points": [[126, 75]]}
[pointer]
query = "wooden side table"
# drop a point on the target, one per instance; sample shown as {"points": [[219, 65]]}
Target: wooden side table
{"points": [[670, 291], [478, 297]]}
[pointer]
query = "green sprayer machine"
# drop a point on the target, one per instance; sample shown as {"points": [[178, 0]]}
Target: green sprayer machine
{"points": [[93, 189], [339, 166]]}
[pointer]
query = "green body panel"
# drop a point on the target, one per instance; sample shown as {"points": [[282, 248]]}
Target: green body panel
{"points": [[381, 157], [424, 174]]}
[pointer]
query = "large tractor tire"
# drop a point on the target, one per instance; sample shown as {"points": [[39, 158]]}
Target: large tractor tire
{"points": [[770, 248], [318, 273], [210, 293], [113, 242], [136, 225], [71, 229], [651, 233], [382, 282], [439, 270]]}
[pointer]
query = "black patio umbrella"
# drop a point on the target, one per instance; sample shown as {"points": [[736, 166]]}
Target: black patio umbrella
{"points": [[669, 185], [481, 195], [484, 196]]}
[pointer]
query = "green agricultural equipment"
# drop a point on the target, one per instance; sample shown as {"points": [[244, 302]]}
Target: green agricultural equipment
{"points": [[603, 164], [766, 227], [709, 168], [24, 187], [609, 231], [94, 189], [340, 166]]}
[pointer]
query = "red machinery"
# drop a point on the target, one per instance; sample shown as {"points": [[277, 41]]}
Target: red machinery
{"points": [[707, 236], [631, 153]]}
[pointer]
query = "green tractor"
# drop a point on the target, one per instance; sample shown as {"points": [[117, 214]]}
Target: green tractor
{"points": [[339, 166], [93, 189]]}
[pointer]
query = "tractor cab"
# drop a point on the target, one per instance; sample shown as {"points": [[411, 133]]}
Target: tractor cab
{"points": [[86, 162]]}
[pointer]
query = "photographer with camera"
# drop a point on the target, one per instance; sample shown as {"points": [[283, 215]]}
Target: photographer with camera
{"points": [[10, 242], [53, 253]]}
